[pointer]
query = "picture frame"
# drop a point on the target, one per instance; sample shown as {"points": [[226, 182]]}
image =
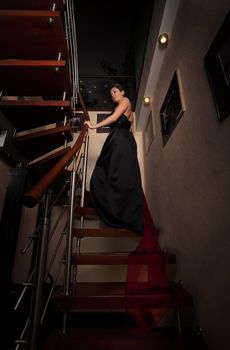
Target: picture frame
{"points": [[217, 65], [149, 133], [172, 108], [103, 129], [77, 122]]}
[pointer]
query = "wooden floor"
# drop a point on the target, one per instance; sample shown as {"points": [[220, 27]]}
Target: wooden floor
{"points": [[120, 339], [112, 335]]}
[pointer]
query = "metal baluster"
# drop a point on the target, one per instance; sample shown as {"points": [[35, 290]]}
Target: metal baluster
{"points": [[40, 267], [69, 240]]}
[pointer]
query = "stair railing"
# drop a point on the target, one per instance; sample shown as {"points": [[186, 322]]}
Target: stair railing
{"points": [[69, 243], [37, 315], [69, 239], [40, 268], [72, 46], [33, 196], [41, 234], [33, 236]]}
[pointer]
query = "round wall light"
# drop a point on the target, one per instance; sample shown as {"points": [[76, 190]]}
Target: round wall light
{"points": [[147, 100], [163, 39]]}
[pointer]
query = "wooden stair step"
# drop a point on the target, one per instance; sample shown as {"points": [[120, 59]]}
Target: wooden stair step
{"points": [[34, 78], [103, 232], [109, 258], [36, 144], [30, 5], [86, 296], [27, 34], [29, 114], [86, 211]]}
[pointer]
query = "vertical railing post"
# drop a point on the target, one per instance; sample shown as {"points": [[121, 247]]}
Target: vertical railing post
{"points": [[39, 275], [84, 173], [69, 239]]}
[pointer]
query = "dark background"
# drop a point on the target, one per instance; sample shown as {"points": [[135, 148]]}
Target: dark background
{"points": [[111, 42]]}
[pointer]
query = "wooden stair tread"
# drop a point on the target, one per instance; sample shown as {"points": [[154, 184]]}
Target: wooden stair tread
{"points": [[103, 232], [31, 63], [17, 34], [109, 258], [112, 295], [38, 143], [20, 40], [35, 80], [49, 158], [34, 103], [86, 211], [30, 5], [29, 114], [42, 133]]}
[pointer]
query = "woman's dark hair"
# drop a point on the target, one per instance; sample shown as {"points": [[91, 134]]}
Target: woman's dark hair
{"points": [[121, 88], [118, 86]]}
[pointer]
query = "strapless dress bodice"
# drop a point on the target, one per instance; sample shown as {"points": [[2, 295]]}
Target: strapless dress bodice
{"points": [[122, 121]]}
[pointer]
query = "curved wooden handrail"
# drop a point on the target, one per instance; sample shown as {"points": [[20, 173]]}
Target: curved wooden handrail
{"points": [[83, 107], [32, 197]]}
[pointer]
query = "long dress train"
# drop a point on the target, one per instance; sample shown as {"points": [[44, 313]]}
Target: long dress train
{"points": [[148, 293]]}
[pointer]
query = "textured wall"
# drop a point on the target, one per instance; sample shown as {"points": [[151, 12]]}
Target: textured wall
{"points": [[187, 180]]}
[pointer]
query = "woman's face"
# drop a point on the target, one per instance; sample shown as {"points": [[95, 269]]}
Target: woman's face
{"points": [[116, 94]]}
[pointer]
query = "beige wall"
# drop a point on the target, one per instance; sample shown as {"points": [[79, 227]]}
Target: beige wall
{"points": [[188, 181]]}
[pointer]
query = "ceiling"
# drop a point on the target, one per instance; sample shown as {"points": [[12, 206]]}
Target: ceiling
{"points": [[111, 46]]}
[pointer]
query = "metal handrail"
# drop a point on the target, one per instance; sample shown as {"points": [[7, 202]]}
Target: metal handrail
{"points": [[72, 45]]}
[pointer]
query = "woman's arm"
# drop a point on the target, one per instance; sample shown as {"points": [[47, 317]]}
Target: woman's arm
{"points": [[119, 110]]}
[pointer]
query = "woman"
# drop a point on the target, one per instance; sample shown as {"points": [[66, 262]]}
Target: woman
{"points": [[117, 195], [115, 186]]}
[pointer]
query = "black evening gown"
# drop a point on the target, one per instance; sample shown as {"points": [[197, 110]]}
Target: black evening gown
{"points": [[115, 186]]}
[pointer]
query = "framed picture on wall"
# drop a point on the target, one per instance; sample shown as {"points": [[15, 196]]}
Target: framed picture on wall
{"points": [[78, 121], [103, 129], [149, 133], [172, 108], [217, 64]]}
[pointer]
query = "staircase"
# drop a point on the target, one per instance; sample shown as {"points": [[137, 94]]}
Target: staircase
{"points": [[35, 76], [110, 295], [38, 98]]}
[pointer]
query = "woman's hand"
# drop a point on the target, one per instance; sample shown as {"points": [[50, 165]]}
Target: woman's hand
{"points": [[88, 124]]}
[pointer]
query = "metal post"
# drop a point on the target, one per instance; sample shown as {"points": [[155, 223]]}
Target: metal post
{"points": [[40, 267], [69, 239], [84, 170], [178, 318]]}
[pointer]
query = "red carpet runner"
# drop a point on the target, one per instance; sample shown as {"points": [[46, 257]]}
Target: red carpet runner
{"points": [[148, 295]]}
